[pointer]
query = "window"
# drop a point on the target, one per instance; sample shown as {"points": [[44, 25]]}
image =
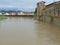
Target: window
{"points": [[49, 11], [58, 12], [54, 12]]}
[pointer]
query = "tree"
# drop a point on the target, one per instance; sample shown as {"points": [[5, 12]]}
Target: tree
{"points": [[35, 16], [35, 11]]}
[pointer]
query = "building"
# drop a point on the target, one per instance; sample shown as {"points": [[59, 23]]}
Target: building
{"points": [[25, 13], [20, 13], [13, 13], [49, 13], [53, 9], [40, 7]]}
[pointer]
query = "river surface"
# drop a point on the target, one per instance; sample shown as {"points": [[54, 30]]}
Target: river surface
{"points": [[27, 31]]}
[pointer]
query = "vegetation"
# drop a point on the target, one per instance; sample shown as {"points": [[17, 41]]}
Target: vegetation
{"points": [[35, 13], [1, 17]]}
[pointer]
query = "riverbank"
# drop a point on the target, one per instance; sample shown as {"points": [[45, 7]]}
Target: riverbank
{"points": [[2, 17]]}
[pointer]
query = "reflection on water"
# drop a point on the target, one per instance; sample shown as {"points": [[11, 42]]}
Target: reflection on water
{"points": [[26, 31]]}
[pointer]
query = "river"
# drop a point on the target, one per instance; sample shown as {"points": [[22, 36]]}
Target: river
{"points": [[27, 31]]}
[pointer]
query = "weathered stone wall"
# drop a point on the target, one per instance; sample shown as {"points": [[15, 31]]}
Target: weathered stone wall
{"points": [[47, 19], [56, 21]]}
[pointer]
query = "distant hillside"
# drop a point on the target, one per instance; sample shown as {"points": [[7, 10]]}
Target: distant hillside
{"points": [[9, 10]]}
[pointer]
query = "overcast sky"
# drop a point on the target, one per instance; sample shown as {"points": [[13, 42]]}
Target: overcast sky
{"points": [[26, 5]]}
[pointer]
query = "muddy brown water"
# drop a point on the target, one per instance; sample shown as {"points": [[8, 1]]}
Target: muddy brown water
{"points": [[27, 31]]}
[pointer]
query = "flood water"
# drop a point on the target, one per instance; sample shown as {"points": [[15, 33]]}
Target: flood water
{"points": [[27, 31]]}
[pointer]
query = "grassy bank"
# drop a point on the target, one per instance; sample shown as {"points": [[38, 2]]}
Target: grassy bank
{"points": [[2, 17]]}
